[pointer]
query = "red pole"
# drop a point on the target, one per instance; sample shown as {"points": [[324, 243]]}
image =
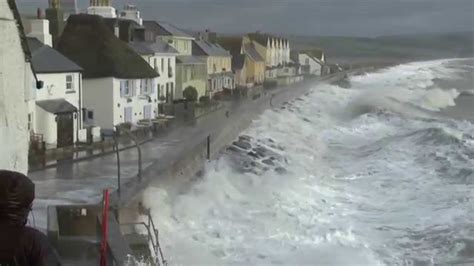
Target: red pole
{"points": [[105, 229]]}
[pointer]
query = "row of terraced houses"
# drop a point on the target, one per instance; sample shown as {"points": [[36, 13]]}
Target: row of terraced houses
{"points": [[104, 67]]}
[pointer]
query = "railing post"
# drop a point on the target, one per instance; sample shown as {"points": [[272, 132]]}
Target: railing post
{"points": [[117, 152]]}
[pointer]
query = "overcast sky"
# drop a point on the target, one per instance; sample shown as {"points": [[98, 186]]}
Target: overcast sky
{"points": [[306, 17]]}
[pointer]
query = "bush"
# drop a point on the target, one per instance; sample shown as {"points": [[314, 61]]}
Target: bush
{"points": [[204, 99], [190, 94]]}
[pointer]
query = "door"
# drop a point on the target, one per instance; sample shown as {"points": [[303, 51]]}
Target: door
{"points": [[147, 112], [128, 114], [65, 128]]}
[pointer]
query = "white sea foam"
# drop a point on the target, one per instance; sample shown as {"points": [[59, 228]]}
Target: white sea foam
{"points": [[383, 185]]}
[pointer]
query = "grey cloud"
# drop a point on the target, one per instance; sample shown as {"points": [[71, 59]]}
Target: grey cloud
{"points": [[311, 17]]}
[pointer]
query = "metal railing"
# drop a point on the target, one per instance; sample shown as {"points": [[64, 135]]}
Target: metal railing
{"points": [[152, 238]]}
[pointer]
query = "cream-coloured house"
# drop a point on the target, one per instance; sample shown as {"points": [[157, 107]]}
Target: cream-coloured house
{"points": [[219, 68], [190, 70], [245, 58], [275, 51]]}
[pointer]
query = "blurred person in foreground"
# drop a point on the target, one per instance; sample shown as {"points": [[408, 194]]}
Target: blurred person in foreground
{"points": [[20, 244]]}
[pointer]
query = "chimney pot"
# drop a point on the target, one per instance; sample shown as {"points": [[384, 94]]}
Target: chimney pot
{"points": [[39, 14]]}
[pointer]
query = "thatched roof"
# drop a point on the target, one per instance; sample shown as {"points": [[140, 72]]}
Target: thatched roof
{"points": [[87, 41]]}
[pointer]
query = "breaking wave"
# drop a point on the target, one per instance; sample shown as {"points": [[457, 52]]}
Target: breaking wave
{"points": [[371, 175]]}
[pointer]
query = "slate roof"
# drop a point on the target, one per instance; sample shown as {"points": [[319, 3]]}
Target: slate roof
{"points": [[47, 60], [317, 53], [249, 49], [149, 48], [201, 47], [57, 106], [142, 48], [164, 29], [188, 60], [162, 47], [87, 41], [238, 62]]}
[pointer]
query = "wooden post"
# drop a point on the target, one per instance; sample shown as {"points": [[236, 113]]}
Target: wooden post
{"points": [[209, 147]]}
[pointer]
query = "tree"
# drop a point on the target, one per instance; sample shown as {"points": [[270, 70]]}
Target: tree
{"points": [[190, 94]]}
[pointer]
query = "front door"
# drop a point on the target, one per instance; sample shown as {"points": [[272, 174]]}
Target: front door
{"points": [[65, 126]]}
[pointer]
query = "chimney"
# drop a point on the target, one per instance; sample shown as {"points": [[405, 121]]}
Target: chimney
{"points": [[39, 13], [40, 31], [55, 16]]}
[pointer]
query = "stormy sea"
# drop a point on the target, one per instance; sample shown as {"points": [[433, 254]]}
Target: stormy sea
{"points": [[379, 173]]}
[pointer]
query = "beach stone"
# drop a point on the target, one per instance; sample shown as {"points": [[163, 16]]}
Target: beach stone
{"points": [[307, 120], [268, 162], [253, 154], [242, 144], [280, 170], [260, 151], [245, 138]]}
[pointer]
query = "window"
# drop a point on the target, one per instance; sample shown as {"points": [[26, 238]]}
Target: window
{"points": [[214, 68], [30, 121], [127, 88], [162, 64], [90, 115], [69, 82], [156, 64], [306, 61]]}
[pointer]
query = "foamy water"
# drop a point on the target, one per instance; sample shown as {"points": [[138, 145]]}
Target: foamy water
{"points": [[374, 176]]}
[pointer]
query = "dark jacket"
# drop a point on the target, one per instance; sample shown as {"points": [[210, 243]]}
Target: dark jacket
{"points": [[20, 245]]}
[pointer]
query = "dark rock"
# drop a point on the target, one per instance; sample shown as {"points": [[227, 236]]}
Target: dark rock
{"points": [[253, 154], [242, 144], [280, 170], [271, 140], [233, 149], [307, 120], [245, 138], [299, 99], [260, 151], [268, 162]]}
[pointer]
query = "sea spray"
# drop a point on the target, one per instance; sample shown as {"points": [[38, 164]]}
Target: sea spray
{"points": [[391, 184]]}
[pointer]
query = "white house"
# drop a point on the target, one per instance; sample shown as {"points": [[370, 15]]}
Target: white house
{"points": [[57, 115], [15, 85], [311, 62], [162, 58], [118, 84]]}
